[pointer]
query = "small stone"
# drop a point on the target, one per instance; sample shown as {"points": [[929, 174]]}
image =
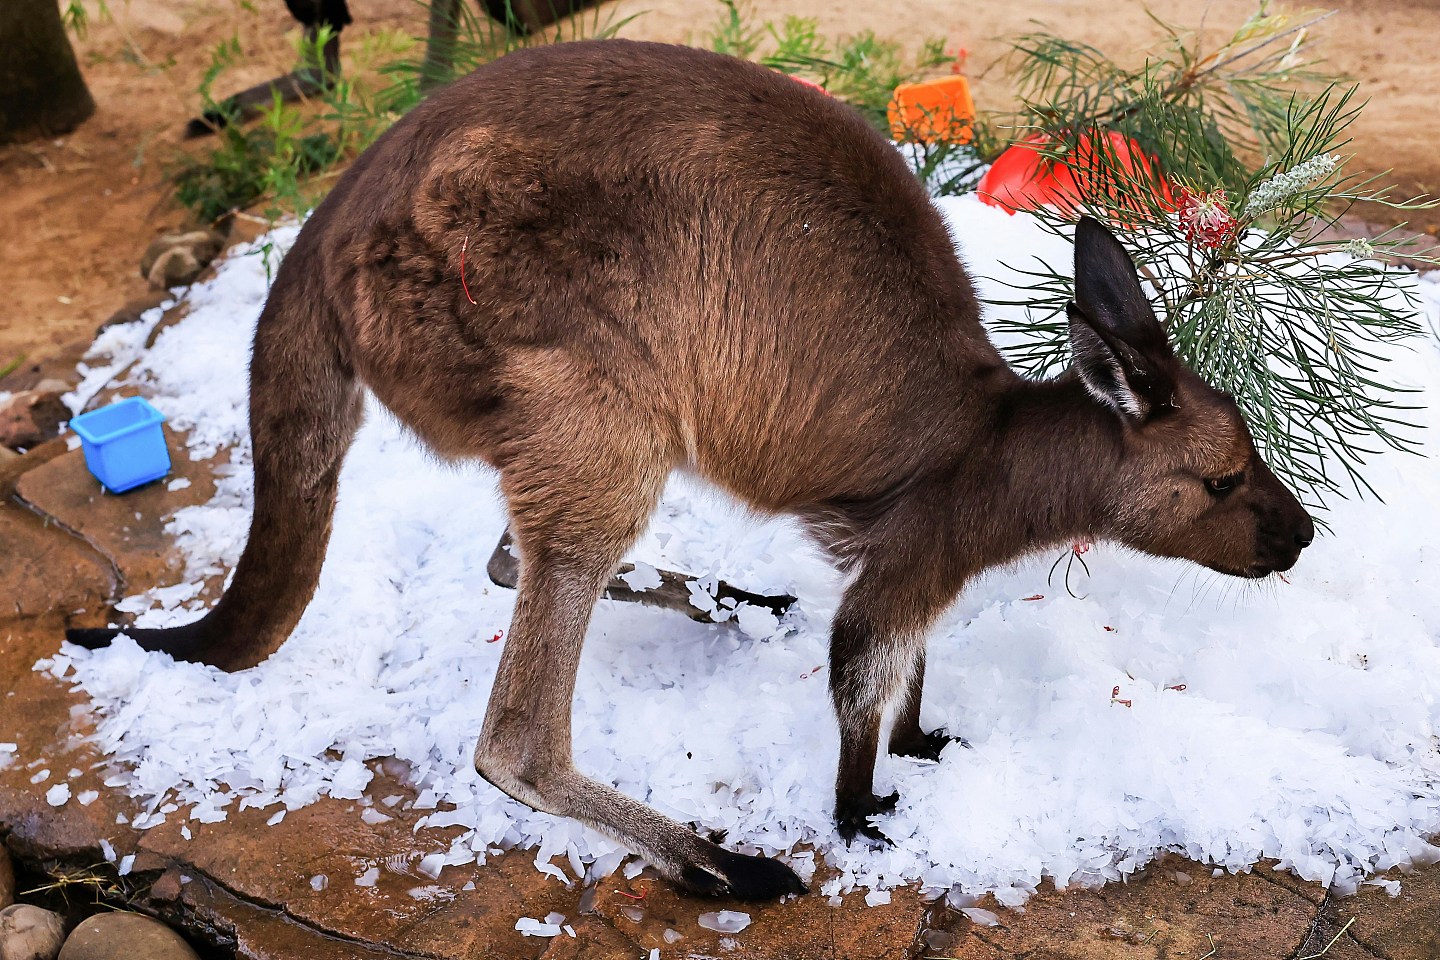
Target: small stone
{"points": [[936, 940], [176, 259], [30, 933], [122, 936], [31, 417]]}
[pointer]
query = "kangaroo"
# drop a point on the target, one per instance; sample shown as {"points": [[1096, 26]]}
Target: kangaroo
{"points": [[592, 264]]}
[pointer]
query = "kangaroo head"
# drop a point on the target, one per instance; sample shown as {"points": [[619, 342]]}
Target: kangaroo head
{"points": [[1189, 482]]}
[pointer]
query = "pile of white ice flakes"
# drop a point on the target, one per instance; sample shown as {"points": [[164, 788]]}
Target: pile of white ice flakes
{"points": [[1294, 720]]}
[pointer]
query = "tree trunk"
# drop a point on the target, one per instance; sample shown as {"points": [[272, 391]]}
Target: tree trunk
{"points": [[41, 90]]}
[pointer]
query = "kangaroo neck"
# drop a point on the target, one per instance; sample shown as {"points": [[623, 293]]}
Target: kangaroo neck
{"points": [[1035, 464]]}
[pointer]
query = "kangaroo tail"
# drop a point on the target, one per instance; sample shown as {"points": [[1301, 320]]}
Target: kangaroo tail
{"points": [[305, 407]]}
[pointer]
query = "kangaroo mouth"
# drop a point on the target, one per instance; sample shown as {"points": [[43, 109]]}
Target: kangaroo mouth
{"points": [[1256, 571]]}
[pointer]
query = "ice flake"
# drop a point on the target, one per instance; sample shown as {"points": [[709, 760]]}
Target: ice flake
{"points": [[643, 577], [530, 927], [727, 921]]}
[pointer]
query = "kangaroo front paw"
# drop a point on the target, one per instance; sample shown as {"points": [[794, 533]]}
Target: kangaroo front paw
{"points": [[852, 818], [924, 746], [742, 877]]}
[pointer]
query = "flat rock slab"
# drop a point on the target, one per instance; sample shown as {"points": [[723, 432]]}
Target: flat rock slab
{"points": [[127, 529], [43, 569], [1242, 917]]}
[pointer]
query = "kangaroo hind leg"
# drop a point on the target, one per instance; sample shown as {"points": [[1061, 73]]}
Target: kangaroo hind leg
{"points": [[572, 526]]}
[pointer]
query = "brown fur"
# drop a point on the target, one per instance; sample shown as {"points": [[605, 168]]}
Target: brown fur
{"points": [[682, 261]]}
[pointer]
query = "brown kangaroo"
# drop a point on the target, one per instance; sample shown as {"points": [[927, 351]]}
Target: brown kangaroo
{"points": [[594, 263]]}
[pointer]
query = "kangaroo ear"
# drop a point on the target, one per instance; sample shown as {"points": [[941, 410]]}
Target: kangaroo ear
{"points": [[1120, 350]]}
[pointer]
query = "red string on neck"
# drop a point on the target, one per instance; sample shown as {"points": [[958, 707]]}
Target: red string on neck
{"points": [[463, 285]]}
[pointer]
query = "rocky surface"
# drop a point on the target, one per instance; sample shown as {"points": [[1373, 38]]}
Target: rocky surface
{"points": [[289, 890], [124, 936], [30, 933], [33, 416], [175, 259], [134, 309]]}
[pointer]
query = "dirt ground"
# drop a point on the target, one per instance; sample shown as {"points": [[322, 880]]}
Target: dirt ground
{"points": [[77, 211]]}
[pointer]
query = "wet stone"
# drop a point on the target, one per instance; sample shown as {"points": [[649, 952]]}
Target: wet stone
{"points": [[29, 933], [175, 259], [125, 936], [31, 417]]}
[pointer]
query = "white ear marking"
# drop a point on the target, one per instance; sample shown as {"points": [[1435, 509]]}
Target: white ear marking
{"points": [[1090, 351]]}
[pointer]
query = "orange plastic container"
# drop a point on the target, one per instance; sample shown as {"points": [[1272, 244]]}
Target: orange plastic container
{"points": [[932, 111], [1022, 179]]}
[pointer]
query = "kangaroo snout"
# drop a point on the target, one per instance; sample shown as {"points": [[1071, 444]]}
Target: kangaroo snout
{"points": [[1280, 542]]}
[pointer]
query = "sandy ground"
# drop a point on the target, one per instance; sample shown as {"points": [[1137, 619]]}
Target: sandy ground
{"points": [[76, 213]]}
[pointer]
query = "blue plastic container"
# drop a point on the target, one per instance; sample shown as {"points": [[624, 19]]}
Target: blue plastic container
{"points": [[124, 444]]}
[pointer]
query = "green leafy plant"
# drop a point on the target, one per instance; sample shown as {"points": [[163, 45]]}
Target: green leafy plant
{"points": [[1222, 173], [77, 19], [478, 40], [276, 161], [269, 161], [862, 70]]}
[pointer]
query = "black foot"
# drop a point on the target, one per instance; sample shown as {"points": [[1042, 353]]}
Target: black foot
{"points": [[852, 818], [91, 639], [188, 642], [925, 746], [744, 878]]}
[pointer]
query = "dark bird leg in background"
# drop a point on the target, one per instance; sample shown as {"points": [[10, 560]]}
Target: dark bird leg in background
{"points": [[306, 80]]}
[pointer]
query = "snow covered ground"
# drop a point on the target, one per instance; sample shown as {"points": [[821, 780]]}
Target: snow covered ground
{"points": [[1294, 720]]}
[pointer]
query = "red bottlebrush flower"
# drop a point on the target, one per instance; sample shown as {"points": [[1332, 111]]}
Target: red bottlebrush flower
{"points": [[1207, 220]]}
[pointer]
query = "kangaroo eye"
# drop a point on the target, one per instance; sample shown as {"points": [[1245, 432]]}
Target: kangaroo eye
{"points": [[1222, 485]]}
